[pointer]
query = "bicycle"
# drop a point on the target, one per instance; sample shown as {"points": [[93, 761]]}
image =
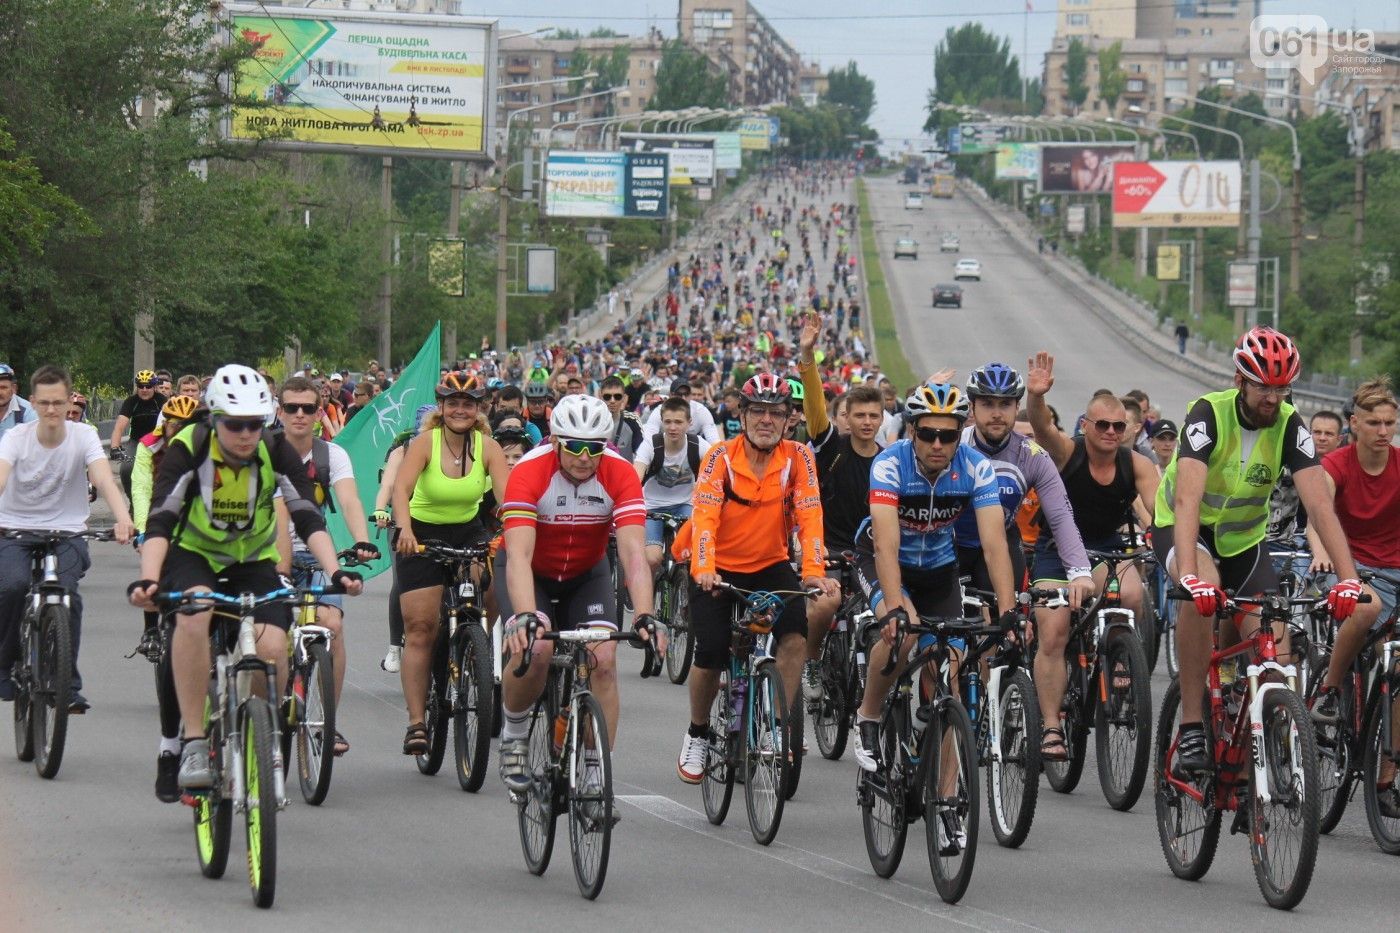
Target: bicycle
{"points": [[43, 671], [245, 748], [1107, 690], [570, 760], [1265, 762], [748, 719], [841, 665], [673, 601]]}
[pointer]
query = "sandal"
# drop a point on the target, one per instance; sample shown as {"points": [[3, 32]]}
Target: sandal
{"points": [[415, 740], [1052, 745], [342, 746]]}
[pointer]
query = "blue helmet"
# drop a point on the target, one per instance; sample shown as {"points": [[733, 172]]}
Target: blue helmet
{"points": [[995, 380]]}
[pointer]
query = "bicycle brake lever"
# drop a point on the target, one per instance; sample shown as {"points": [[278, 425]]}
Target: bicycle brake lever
{"points": [[524, 664]]}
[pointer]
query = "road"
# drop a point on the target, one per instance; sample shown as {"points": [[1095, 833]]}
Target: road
{"points": [[93, 849]]}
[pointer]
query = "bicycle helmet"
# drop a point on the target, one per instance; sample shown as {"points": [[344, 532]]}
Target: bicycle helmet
{"points": [[180, 407], [940, 398], [536, 389], [421, 415], [239, 391], [795, 385], [494, 385], [507, 437], [767, 389], [79, 399], [582, 418], [459, 383], [1267, 357], [145, 379], [995, 380]]}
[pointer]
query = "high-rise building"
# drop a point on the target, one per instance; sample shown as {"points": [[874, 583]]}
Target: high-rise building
{"points": [[763, 68], [1154, 19]]}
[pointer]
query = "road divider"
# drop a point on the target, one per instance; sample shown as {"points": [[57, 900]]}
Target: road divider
{"points": [[880, 310]]}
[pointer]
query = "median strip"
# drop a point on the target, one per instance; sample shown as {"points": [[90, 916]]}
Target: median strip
{"points": [[893, 362]]}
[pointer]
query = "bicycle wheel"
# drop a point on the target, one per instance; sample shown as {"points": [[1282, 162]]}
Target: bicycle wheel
{"points": [[1013, 779], [23, 714], [590, 797], [471, 706], [884, 795], [1189, 829], [1384, 829], [950, 799], [680, 648], [765, 753], [1123, 720], [213, 812], [721, 747], [51, 682], [260, 811], [830, 722], [1335, 772], [438, 711], [796, 729], [535, 809], [314, 689], [1063, 776], [1284, 832]]}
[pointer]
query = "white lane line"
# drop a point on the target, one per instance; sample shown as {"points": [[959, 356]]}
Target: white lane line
{"points": [[830, 869]]}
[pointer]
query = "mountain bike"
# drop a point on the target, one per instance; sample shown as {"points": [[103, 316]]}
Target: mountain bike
{"points": [[841, 666], [672, 582], [43, 671]]}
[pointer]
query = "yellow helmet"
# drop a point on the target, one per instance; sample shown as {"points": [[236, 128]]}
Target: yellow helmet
{"points": [[145, 378], [181, 407]]}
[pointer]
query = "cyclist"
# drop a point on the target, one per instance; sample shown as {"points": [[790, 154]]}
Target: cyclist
{"points": [[45, 468], [702, 420], [667, 467], [1164, 442], [13, 409], [383, 518], [560, 504], [1212, 512], [750, 491], [908, 562], [628, 435], [330, 470], [445, 473], [537, 397], [213, 527], [139, 411]]}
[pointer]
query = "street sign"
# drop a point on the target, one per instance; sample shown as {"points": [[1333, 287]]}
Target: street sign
{"points": [[1242, 285], [1168, 263], [1074, 219]]}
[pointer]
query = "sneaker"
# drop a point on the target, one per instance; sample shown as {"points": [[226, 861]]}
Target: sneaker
{"points": [[78, 704], [690, 766], [952, 838], [195, 773], [1388, 801], [1325, 706], [392, 659], [168, 777], [1192, 755], [866, 746], [515, 764], [812, 689]]}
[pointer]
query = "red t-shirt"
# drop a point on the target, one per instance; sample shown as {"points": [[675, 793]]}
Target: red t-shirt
{"points": [[1368, 506]]}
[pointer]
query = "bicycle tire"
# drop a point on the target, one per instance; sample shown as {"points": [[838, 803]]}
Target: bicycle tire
{"points": [[1123, 723], [213, 812], [1063, 776], [1189, 830], [51, 684], [260, 813], [721, 758], [471, 706], [831, 722], [22, 713], [952, 870], [764, 755], [535, 811], [590, 814], [1384, 830], [1287, 737], [437, 711], [884, 796], [1336, 771], [315, 732], [680, 647], [1013, 782], [796, 723]]}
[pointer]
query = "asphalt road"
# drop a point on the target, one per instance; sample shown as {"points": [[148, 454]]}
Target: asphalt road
{"points": [[93, 849]]}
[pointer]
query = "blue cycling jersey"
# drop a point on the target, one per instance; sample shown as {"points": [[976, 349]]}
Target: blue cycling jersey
{"points": [[927, 509]]}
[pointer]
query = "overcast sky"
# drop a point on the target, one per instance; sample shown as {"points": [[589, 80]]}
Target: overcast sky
{"points": [[891, 40]]}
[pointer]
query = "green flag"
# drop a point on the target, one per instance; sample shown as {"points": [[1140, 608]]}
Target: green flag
{"points": [[367, 437]]}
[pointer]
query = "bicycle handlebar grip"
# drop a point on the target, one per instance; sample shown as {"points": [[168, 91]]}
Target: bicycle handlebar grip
{"points": [[901, 619]]}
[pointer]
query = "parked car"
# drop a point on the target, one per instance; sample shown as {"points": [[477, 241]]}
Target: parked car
{"points": [[906, 246], [950, 243], [913, 201], [947, 294], [967, 269]]}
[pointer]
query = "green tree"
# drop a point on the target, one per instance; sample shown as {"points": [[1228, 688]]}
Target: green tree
{"points": [[29, 207], [847, 86], [685, 78], [1113, 80], [971, 67], [1077, 73]]}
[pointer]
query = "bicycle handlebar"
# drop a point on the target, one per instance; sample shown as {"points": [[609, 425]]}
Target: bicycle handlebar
{"points": [[578, 636], [195, 603], [1235, 603], [53, 537], [441, 550]]}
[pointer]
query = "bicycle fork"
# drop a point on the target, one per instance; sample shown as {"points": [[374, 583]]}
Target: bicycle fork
{"points": [[1258, 691]]}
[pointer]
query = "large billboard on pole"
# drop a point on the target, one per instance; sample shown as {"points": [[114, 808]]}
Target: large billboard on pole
{"points": [[1185, 193], [369, 82], [1081, 168], [1018, 162], [692, 157], [976, 138], [606, 184], [758, 133]]}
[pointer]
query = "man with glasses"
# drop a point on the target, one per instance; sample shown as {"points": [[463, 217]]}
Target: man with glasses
{"points": [[702, 420], [1212, 513], [627, 433], [14, 410], [139, 411]]}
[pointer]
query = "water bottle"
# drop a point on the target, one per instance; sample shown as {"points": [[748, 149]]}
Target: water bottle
{"points": [[247, 641]]}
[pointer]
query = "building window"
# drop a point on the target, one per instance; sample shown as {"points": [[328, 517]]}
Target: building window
{"points": [[1207, 31], [1176, 64], [1079, 19], [641, 82], [1222, 64], [713, 19], [534, 63], [1172, 86], [642, 103]]}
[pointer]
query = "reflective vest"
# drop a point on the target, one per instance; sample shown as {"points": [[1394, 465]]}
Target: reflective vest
{"points": [[224, 541]]}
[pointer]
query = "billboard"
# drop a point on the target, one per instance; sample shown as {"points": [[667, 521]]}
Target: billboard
{"points": [[605, 184], [1081, 168], [758, 133], [366, 82], [692, 156], [1185, 193], [1242, 284], [729, 150], [975, 138], [1018, 162], [1168, 263]]}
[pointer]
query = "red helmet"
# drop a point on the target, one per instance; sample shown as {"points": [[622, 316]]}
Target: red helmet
{"points": [[767, 389], [1267, 357]]}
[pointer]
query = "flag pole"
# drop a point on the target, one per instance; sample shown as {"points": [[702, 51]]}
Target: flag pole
{"points": [[1025, 51]]}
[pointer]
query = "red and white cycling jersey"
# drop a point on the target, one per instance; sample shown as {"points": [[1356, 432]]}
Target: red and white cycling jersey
{"points": [[571, 520]]}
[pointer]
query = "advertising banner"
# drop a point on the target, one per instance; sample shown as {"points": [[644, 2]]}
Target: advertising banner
{"points": [[647, 185], [1242, 284], [366, 82], [728, 148], [1018, 162], [692, 155], [1074, 219], [758, 133], [605, 184], [1185, 193], [1168, 263], [976, 138], [1081, 168]]}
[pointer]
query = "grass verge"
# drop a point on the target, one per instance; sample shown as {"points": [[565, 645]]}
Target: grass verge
{"points": [[893, 362]]}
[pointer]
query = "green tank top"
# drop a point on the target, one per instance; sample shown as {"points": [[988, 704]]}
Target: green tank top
{"points": [[443, 500]]}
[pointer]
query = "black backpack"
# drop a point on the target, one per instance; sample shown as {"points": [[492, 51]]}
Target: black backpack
{"points": [[658, 456]]}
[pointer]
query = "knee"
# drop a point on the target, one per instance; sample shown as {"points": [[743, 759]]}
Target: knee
{"points": [[1052, 629]]}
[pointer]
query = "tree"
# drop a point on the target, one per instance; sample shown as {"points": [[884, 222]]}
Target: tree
{"points": [[971, 66], [848, 87], [1076, 73], [1113, 80], [685, 78], [610, 69], [30, 208]]}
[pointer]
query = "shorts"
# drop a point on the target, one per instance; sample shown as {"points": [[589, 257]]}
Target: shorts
{"points": [[935, 592], [306, 571], [710, 613], [1248, 573], [973, 563], [655, 527], [185, 569], [417, 571], [1386, 582], [1047, 568], [583, 601]]}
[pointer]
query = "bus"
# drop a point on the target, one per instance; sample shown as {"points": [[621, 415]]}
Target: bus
{"points": [[942, 186]]}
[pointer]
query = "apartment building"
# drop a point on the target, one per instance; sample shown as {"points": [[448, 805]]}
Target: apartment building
{"points": [[1154, 19], [763, 68], [1085, 19], [811, 83]]}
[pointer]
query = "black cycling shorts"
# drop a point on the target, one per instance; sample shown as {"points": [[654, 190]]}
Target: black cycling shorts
{"points": [[712, 613], [1247, 574], [933, 592], [973, 563], [418, 571], [583, 601], [185, 569]]}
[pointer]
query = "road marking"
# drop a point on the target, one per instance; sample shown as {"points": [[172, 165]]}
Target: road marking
{"points": [[825, 867]]}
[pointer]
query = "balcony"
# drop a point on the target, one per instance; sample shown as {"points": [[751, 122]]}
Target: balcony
{"points": [[516, 66]]}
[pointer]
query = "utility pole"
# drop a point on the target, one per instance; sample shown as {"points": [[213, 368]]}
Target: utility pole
{"points": [[144, 347], [1254, 234], [386, 259], [502, 233], [1358, 227], [454, 222]]}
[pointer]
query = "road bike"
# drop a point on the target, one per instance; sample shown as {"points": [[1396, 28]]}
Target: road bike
{"points": [[841, 667], [43, 671], [672, 583]]}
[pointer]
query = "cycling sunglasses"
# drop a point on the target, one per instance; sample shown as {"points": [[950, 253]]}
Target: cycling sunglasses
{"points": [[242, 425], [944, 436], [580, 448], [1104, 426], [612, 396], [305, 408]]}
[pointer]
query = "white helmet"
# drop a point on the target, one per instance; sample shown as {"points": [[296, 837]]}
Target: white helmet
{"points": [[581, 417], [239, 391]]}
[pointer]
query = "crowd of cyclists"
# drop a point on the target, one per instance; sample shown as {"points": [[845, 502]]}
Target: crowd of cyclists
{"points": [[743, 403]]}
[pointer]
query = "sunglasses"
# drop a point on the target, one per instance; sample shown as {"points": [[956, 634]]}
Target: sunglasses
{"points": [[944, 436], [242, 425], [580, 448], [1104, 426], [305, 408], [613, 396]]}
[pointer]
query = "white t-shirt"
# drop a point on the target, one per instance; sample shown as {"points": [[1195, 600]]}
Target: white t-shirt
{"points": [[675, 482], [48, 487], [341, 468], [702, 423]]}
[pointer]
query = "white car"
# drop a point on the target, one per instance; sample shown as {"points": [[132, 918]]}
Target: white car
{"points": [[913, 201], [968, 269], [949, 244], [906, 246]]}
